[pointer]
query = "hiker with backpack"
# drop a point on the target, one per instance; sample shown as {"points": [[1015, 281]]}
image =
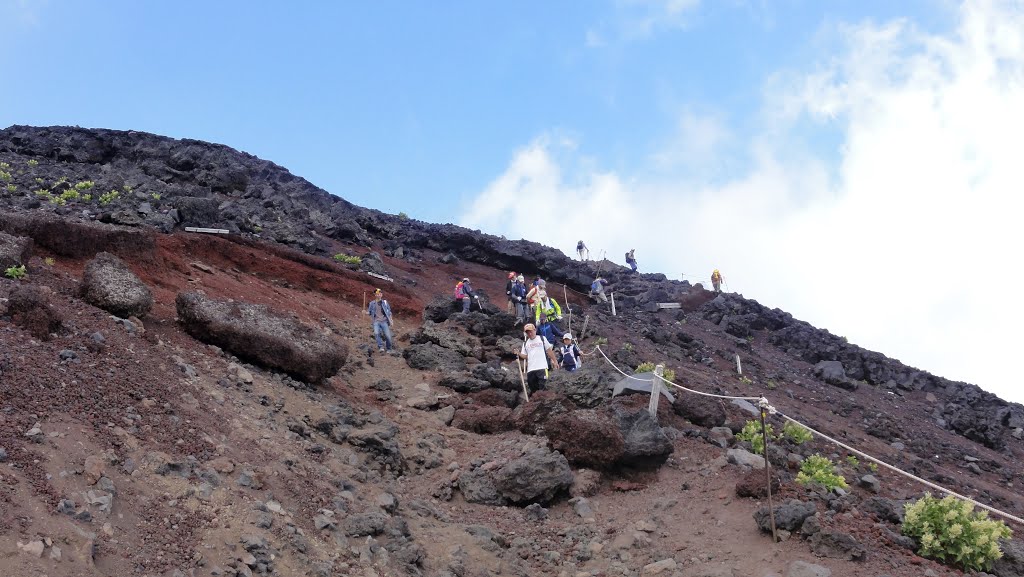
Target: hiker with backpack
{"points": [[549, 330], [537, 352], [631, 258], [597, 290], [465, 294], [508, 292], [518, 295], [569, 353], [716, 281], [538, 291], [380, 314], [548, 307], [581, 249]]}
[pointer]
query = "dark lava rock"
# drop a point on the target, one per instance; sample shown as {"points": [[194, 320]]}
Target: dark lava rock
{"points": [[754, 484], [14, 250], [430, 357], [258, 334], [836, 545], [789, 516], [29, 307], [484, 419], [702, 411], [538, 476], [109, 284], [587, 438], [645, 442]]}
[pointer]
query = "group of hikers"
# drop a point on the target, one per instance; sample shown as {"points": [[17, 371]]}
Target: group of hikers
{"points": [[545, 345]]}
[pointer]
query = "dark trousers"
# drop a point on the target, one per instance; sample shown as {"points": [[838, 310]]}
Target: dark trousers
{"points": [[537, 380]]}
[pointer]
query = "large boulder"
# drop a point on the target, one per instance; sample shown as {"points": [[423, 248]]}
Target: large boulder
{"points": [[645, 442], [449, 338], [261, 335], [587, 387], [30, 308], [109, 284], [587, 438], [536, 477], [430, 357], [833, 373], [14, 250], [789, 516], [702, 411]]}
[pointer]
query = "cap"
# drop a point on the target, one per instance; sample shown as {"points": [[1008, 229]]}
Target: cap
{"points": [[529, 327], [511, 275], [520, 278], [567, 336], [377, 292], [465, 279], [542, 282]]}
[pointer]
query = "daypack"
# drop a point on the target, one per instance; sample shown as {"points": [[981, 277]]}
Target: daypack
{"points": [[459, 295], [595, 287], [569, 354], [628, 258]]}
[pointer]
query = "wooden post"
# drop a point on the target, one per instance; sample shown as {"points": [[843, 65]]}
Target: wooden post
{"points": [[652, 406], [739, 368], [768, 477], [613, 304], [583, 333]]}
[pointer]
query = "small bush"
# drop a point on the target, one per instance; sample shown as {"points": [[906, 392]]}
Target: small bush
{"points": [[155, 196], [796, 433], [600, 341], [872, 467], [745, 380], [109, 197], [852, 461], [821, 470], [950, 531], [403, 216], [87, 197], [751, 433], [40, 180], [33, 162], [346, 259], [12, 187], [4, 175], [84, 185], [70, 195], [42, 192], [645, 367], [4, 166], [49, 261], [16, 272]]}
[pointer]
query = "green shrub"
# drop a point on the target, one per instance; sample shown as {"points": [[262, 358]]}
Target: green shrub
{"points": [[33, 162], [950, 531], [4, 175], [346, 259], [49, 261], [751, 433], [16, 272], [821, 470], [155, 196], [70, 195], [852, 461], [4, 166], [84, 185], [42, 192], [403, 216], [12, 187], [796, 433], [645, 367], [40, 180], [745, 380], [109, 197], [126, 188], [600, 341], [872, 467]]}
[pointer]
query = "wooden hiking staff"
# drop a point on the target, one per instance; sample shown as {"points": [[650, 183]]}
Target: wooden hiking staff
{"points": [[522, 373]]}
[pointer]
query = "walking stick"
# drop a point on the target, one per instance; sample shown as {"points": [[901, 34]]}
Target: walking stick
{"points": [[522, 373]]}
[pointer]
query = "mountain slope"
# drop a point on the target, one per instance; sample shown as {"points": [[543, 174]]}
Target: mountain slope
{"points": [[180, 455]]}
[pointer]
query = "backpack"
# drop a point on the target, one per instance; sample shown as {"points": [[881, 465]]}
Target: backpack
{"points": [[595, 286], [459, 295], [579, 245], [628, 258], [569, 355]]}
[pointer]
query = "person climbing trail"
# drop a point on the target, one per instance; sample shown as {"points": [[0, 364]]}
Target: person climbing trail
{"points": [[716, 280], [631, 258], [465, 294], [508, 292], [569, 353], [582, 249], [597, 290], [519, 297]]}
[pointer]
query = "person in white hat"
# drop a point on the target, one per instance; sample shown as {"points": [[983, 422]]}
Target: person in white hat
{"points": [[569, 353], [534, 350]]}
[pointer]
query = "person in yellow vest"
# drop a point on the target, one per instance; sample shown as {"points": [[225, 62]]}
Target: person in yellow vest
{"points": [[716, 281], [549, 307]]}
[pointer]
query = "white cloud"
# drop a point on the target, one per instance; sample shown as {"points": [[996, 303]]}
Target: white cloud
{"points": [[639, 19], [906, 239]]}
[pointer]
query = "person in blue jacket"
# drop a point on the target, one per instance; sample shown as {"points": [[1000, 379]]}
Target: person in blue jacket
{"points": [[549, 331], [380, 314]]}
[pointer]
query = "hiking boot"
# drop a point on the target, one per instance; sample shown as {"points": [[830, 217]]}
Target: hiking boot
{"points": [[381, 349]]}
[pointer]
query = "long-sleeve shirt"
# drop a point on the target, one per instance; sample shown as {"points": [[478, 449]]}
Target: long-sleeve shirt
{"points": [[380, 313]]}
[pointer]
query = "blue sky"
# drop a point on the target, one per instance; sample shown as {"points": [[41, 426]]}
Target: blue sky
{"points": [[847, 161]]}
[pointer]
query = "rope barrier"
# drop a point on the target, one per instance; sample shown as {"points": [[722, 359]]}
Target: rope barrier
{"points": [[902, 472], [766, 406]]}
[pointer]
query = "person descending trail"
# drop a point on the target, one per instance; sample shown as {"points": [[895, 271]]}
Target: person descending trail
{"points": [[536, 293], [465, 294], [518, 295], [380, 315], [716, 281], [569, 353], [547, 306], [534, 351], [631, 258], [597, 290], [582, 249], [508, 292]]}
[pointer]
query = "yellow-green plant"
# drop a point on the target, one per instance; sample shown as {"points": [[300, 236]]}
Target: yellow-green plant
{"points": [[852, 461], [155, 196], [751, 433], [951, 531], [821, 470], [346, 259], [4, 175], [33, 162], [745, 380], [16, 272], [796, 433], [49, 261], [4, 166], [84, 185], [86, 197], [646, 367], [109, 197], [70, 195], [12, 187], [42, 192]]}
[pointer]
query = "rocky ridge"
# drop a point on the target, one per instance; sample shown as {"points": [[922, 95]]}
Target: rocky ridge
{"points": [[428, 463]]}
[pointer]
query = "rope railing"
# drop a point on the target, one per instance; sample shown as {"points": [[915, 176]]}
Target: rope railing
{"points": [[765, 406]]}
